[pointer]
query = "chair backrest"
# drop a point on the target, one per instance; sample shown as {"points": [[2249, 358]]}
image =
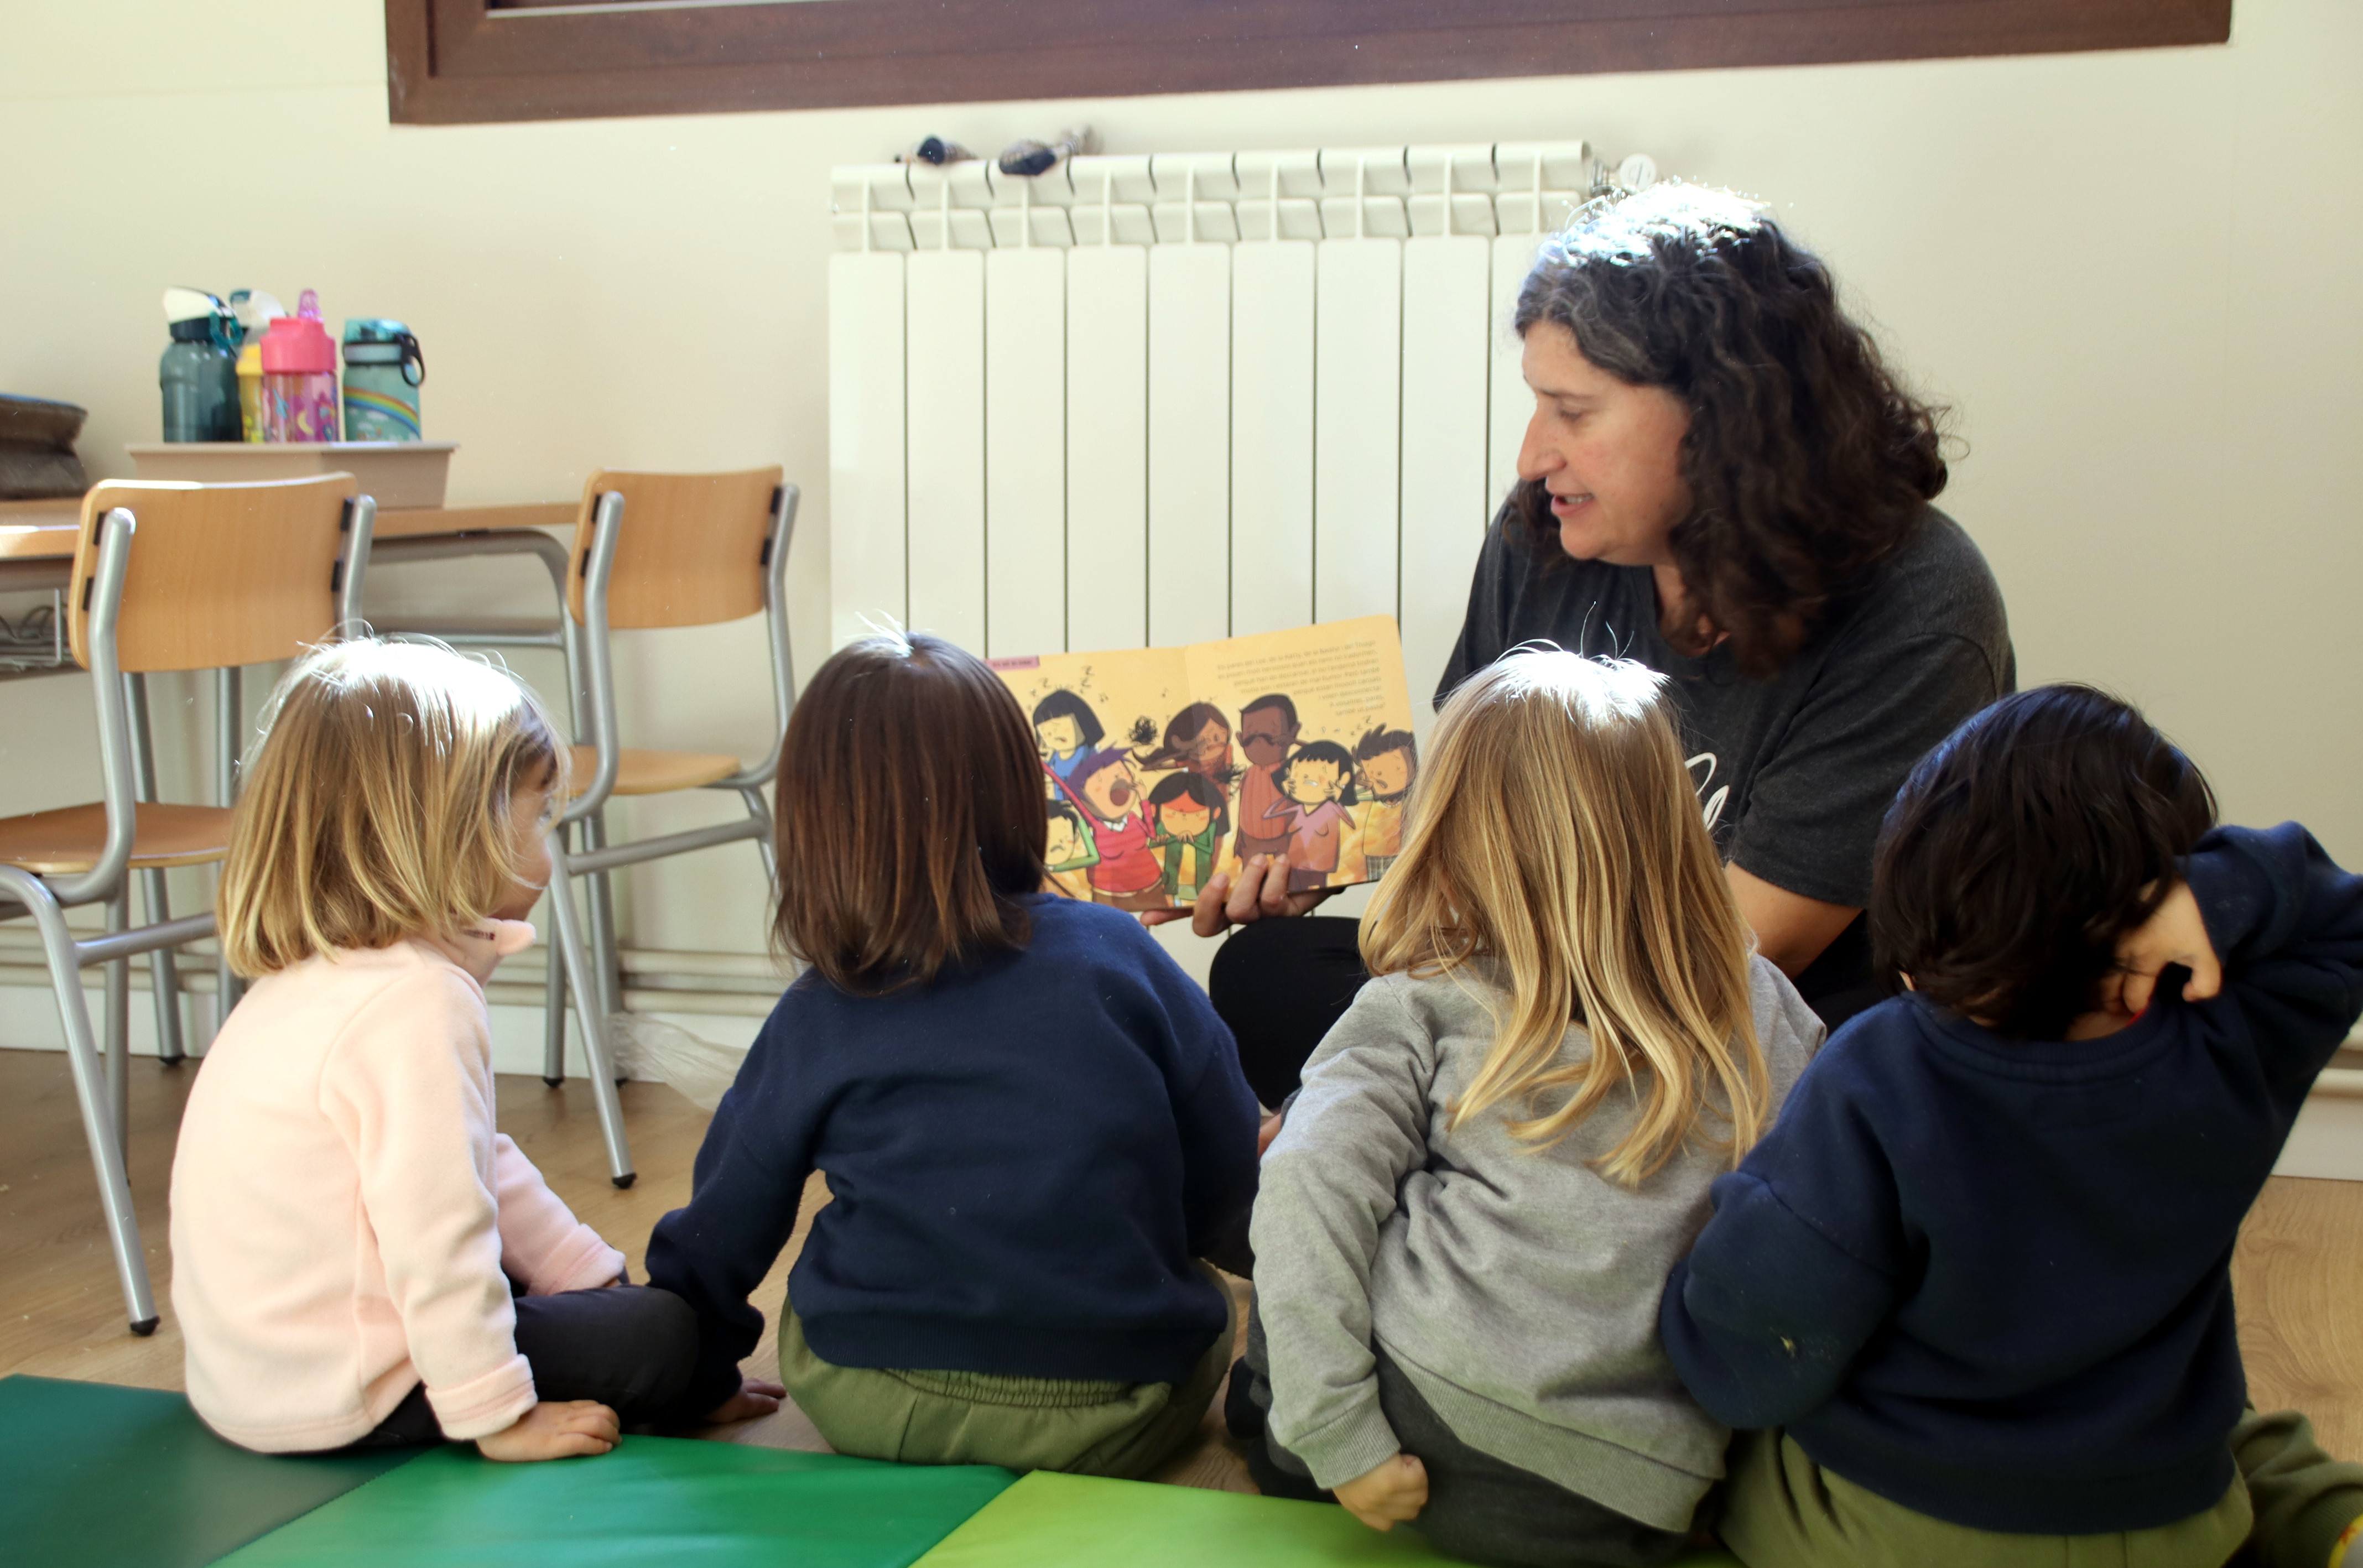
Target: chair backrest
{"points": [[219, 574], [691, 548]]}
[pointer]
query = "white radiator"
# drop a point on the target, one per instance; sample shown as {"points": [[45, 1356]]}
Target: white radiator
{"points": [[1161, 399]]}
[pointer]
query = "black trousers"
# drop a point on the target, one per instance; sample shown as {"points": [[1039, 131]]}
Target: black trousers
{"points": [[630, 1347], [1478, 1507], [1281, 983]]}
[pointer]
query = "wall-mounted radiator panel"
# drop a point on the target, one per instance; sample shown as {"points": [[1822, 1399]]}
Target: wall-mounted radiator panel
{"points": [[1159, 400]]}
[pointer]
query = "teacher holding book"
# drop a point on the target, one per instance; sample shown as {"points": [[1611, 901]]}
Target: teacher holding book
{"points": [[1723, 481]]}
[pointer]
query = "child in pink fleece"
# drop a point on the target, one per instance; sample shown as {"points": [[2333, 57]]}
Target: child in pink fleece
{"points": [[359, 1258]]}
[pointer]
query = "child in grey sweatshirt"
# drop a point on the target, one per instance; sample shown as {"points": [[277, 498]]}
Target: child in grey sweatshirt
{"points": [[1466, 1223]]}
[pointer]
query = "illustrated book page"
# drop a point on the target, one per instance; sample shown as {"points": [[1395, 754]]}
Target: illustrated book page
{"points": [[1167, 766]]}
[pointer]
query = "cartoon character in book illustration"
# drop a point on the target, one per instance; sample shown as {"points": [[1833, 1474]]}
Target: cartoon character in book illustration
{"points": [[1267, 729], [1066, 729], [1184, 814], [1071, 851], [1128, 874], [1316, 786], [1199, 739], [1386, 761]]}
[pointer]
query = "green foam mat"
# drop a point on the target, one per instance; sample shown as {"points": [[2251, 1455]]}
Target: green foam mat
{"points": [[652, 1501], [91, 1473], [1049, 1521]]}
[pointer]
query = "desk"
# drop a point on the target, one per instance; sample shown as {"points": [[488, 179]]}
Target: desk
{"points": [[37, 532]]}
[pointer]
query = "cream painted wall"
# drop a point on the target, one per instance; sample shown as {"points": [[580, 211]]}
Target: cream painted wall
{"points": [[2134, 275]]}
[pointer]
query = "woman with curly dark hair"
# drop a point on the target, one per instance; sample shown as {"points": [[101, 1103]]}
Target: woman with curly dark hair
{"points": [[1723, 481]]}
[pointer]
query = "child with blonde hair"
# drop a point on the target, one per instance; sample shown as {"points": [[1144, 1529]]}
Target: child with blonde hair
{"points": [[359, 1259], [1506, 1142]]}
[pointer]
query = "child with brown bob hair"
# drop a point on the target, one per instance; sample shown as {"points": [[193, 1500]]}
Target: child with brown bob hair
{"points": [[359, 1258], [1031, 1121]]}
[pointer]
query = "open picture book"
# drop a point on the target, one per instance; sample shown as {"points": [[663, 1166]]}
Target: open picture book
{"points": [[1167, 766]]}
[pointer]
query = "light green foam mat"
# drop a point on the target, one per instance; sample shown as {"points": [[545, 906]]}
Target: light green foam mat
{"points": [[651, 1503], [91, 1473], [1049, 1521]]}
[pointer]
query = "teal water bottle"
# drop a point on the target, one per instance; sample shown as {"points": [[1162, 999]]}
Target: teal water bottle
{"points": [[383, 368], [198, 373]]}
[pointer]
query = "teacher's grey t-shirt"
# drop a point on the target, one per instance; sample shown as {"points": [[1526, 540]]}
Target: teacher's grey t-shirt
{"points": [[1795, 773]]}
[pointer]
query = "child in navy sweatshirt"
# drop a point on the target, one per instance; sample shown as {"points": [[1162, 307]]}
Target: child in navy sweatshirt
{"points": [[1031, 1121], [1974, 1288]]}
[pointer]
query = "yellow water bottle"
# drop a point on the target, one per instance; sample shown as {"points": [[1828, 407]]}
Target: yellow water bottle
{"points": [[249, 390], [256, 310]]}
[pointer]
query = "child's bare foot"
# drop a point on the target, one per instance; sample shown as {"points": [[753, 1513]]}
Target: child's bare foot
{"points": [[754, 1397], [563, 1430]]}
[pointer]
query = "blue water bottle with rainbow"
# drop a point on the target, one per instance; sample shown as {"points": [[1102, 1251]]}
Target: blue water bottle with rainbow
{"points": [[383, 368]]}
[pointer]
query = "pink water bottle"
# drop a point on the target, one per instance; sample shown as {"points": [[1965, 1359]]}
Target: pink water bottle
{"points": [[299, 377]]}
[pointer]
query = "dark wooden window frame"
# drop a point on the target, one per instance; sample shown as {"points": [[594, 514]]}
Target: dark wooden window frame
{"points": [[459, 61]]}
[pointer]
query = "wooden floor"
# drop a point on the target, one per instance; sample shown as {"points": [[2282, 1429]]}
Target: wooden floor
{"points": [[2296, 1272]]}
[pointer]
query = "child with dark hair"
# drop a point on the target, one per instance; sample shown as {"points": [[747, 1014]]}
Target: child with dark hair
{"points": [[1974, 1288], [1031, 1121], [1385, 763], [1316, 787], [1109, 786], [1071, 851], [1185, 821], [1065, 730], [1199, 739], [1268, 730]]}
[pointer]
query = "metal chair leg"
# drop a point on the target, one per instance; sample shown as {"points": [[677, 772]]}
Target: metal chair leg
{"points": [[554, 1006], [588, 1012], [163, 972], [90, 1091], [553, 1044], [608, 962], [229, 722], [760, 810], [227, 989], [119, 1020]]}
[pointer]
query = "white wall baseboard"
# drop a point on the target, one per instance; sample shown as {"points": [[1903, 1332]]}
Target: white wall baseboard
{"points": [[28, 1021], [2327, 1141]]}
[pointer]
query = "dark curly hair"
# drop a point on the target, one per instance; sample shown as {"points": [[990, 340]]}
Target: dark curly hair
{"points": [[1805, 460], [2022, 848]]}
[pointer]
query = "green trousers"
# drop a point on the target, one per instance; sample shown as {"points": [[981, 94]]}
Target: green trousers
{"points": [[2285, 1510], [1122, 1430]]}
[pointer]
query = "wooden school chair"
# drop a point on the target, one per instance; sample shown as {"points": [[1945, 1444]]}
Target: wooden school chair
{"points": [[166, 576], [654, 551]]}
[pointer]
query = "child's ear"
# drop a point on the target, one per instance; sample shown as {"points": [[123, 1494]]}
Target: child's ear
{"points": [[1907, 981]]}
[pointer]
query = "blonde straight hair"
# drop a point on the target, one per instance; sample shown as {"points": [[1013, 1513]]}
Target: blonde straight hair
{"points": [[1554, 835], [377, 806]]}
